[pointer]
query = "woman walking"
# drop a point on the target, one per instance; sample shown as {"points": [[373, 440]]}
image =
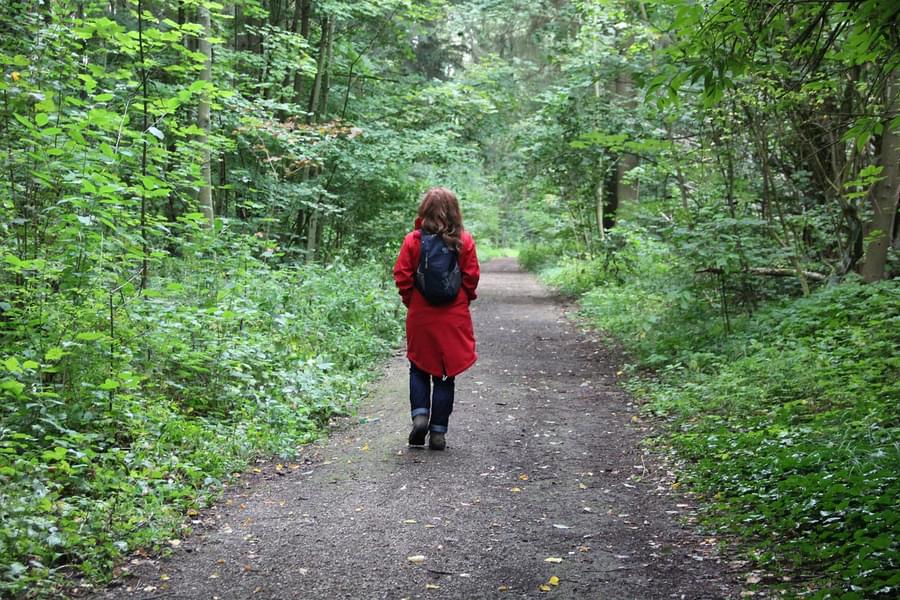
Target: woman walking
{"points": [[440, 342]]}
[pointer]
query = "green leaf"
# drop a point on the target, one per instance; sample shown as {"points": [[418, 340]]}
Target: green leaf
{"points": [[57, 454], [89, 336], [12, 365], [109, 384], [41, 119], [14, 387], [13, 261], [54, 353]]}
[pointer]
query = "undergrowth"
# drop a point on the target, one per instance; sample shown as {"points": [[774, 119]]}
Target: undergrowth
{"points": [[108, 437], [787, 418]]}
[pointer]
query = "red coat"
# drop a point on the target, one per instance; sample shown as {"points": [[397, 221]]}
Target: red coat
{"points": [[439, 339]]}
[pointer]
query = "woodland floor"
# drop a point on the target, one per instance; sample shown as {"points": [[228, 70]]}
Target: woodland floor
{"points": [[543, 460]]}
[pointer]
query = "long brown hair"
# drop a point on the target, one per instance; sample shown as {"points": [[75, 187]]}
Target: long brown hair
{"points": [[439, 211]]}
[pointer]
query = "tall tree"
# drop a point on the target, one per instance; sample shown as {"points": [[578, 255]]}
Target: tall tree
{"points": [[204, 195], [885, 194]]}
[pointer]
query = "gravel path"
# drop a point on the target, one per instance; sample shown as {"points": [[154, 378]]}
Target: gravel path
{"points": [[543, 483]]}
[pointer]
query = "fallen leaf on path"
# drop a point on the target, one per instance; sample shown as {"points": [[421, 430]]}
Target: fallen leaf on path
{"points": [[561, 526], [581, 486], [503, 588], [753, 578], [554, 580], [544, 587], [553, 559], [417, 559], [164, 577], [431, 586], [365, 448], [515, 490], [524, 476], [409, 522], [584, 548], [174, 543]]}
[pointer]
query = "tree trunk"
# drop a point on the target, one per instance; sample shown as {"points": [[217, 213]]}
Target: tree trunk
{"points": [[326, 76], [313, 105], [884, 194], [626, 192], [312, 234], [302, 10], [598, 203], [204, 195]]}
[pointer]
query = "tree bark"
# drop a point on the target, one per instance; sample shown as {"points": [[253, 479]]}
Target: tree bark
{"points": [[326, 76], [626, 192], [312, 234], [883, 195], [313, 105], [144, 126], [204, 194], [302, 10]]}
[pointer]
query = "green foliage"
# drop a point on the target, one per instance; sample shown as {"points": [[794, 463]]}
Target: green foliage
{"points": [[107, 440], [788, 424], [145, 352]]}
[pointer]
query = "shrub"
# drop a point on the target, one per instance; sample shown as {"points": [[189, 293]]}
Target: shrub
{"points": [[106, 441], [788, 421]]}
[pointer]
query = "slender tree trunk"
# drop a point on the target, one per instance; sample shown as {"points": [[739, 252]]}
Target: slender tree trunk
{"points": [[679, 176], [313, 105], [626, 192], [598, 203], [145, 125], [312, 234], [884, 194], [204, 195], [302, 10], [599, 195], [326, 76]]}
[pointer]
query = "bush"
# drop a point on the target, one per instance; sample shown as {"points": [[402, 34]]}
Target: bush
{"points": [[106, 441], [788, 423], [533, 257]]}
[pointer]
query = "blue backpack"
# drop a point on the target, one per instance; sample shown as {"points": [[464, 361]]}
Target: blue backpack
{"points": [[438, 277]]}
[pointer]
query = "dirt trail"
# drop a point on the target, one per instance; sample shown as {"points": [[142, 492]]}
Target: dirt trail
{"points": [[543, 461]]}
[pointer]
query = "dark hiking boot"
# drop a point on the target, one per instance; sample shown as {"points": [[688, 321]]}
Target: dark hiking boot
{"points": [[436, 441], [419, 430]]}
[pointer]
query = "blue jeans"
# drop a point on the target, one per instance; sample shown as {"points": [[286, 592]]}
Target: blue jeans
{"points": [[422, 400]]}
